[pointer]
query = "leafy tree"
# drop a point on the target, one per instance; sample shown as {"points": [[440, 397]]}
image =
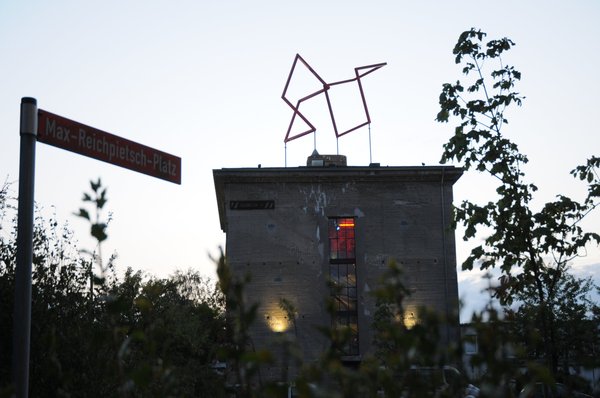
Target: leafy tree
{"points": [[135, 336], [575, 332], [59, 314], [531, 248], [245, 378], [163, 331], [401, 346]]}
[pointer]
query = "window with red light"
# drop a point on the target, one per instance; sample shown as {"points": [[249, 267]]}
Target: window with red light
{"points": [[342, 273], [341, 238]]}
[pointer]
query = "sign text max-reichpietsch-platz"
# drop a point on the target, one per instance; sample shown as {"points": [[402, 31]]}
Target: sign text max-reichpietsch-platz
{"points": [[67, 134]]}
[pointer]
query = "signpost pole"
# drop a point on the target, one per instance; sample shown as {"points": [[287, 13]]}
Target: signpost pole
{"points": [[22, 308]]}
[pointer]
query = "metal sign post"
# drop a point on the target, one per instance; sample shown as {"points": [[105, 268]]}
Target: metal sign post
{"points": [[73, 136], [22, 308]]}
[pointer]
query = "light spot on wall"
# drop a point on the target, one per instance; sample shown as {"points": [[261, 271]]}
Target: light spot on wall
{"points": [[277, 322], [410, 318]]}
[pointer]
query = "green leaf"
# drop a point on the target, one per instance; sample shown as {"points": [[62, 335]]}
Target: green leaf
{"points": [[83, 213], [95, 185], [98, 231]]}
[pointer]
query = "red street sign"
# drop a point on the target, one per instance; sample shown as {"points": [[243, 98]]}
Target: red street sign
{"points": [[76, 137]]}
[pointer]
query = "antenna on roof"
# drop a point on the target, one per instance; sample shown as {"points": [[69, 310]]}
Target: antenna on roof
{"points": [[359, 72]]}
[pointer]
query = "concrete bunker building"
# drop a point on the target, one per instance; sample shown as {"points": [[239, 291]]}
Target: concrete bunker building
{"points": [[293, 229]]}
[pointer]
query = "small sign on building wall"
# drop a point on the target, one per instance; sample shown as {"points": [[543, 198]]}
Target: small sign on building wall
{"points": [[252, 204]]}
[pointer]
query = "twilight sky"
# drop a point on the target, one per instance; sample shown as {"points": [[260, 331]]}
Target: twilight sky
{"points": [[203, 80]]}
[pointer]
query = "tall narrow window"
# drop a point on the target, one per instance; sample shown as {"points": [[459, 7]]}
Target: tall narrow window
{"points": [[342, 271]]}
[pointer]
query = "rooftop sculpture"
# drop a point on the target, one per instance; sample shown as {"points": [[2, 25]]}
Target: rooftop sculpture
{"points": [[359, 72]]}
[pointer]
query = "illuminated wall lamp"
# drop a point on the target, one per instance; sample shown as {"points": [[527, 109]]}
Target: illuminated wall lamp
{"points": [[409, 319], [277, 324]]}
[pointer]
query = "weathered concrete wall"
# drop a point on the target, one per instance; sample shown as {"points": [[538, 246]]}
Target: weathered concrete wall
{"points": [[402, 215]]}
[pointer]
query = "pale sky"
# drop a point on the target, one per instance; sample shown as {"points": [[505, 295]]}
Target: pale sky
{"points": [[203, 80]]}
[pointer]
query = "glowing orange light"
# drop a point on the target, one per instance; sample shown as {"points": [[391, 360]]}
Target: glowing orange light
{"points": [[410, 319], [277, 323], [346, 225]]}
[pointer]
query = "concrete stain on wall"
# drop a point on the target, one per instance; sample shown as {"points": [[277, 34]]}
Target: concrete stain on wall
{"points": [[316, 199]]}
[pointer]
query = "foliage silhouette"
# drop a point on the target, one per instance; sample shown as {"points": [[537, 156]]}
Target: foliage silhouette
{"points": [[531, 248], [136, 336]]}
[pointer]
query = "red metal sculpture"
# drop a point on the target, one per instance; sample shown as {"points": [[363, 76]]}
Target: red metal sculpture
{"points": [[359, 72]]}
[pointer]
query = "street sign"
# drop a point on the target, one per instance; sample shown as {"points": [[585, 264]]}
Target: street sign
{"points": [[39, 125], [88, 141]]}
